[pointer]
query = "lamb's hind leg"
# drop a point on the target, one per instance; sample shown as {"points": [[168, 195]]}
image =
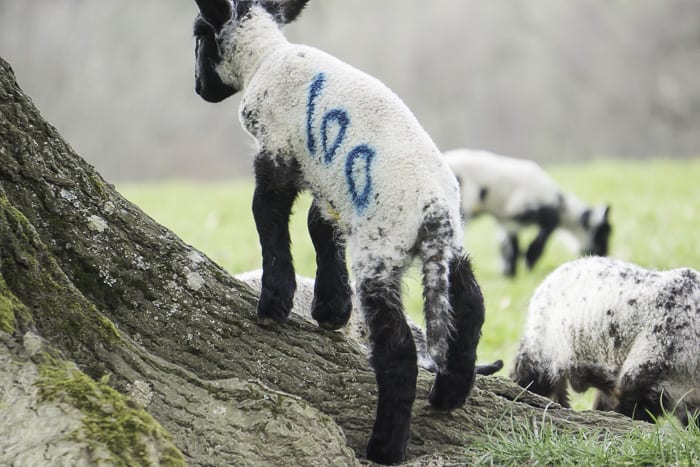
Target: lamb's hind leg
{"points": [[332, 303], [510, 250], [548, 220], [276, 188], [393, 357], [456, 378], [453, 307]]}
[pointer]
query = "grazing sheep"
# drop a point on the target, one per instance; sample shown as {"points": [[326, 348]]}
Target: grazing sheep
{"points": [[632, 333], [355, 329], [378, 182], [518, 193]]}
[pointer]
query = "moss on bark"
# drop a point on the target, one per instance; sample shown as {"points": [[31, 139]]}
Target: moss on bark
{"points": [[12, 312], [110, 421], [30, 279]]}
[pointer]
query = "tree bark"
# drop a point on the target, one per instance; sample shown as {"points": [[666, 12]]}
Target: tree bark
{"points": [[96, 295]]}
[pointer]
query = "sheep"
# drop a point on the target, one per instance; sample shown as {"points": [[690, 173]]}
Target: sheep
{"points": [[630, 332], [380, 187], [517, 192], [355, 329]]}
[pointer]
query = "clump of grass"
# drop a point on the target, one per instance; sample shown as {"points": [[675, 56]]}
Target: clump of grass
{"points": [[544, 444]]}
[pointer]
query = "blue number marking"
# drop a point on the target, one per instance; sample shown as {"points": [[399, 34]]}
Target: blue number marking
{"points": [[314, 91], [355, 177], [341, 118], [366, 154]]}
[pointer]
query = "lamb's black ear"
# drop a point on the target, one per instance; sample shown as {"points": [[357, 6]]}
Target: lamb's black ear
{"points": [[284, 11], [606, 213], [215, 12]]}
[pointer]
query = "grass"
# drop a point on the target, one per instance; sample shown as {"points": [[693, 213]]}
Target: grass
{"points": [[655, 215], [668, 444]]}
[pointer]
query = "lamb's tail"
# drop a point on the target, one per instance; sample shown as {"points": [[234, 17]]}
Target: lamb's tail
{"points": [[465, 315], [454, 312], [439, 322]]}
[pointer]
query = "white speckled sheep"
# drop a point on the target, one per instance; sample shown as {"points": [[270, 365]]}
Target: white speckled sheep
{"points": [[517, 192], [378, 182], [632, 333]]}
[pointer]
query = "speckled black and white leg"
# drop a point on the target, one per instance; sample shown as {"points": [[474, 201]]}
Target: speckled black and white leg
{"points": [[276, 188], [452, 386], [332, 303], [393, 355], [453, 307]]}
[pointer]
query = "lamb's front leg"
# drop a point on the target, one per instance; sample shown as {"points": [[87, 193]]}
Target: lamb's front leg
{"points": [[276, 188], [332, 302]]}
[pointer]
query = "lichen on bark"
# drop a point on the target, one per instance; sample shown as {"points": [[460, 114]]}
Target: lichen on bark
{"points": [[32, 280]]}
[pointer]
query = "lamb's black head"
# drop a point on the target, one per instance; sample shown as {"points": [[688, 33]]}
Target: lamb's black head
{"points": [[596, 222], [212, 26], [532, 375]]}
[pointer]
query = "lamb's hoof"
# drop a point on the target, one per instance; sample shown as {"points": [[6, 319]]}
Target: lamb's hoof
{"points": [[450, 391], [383, 453], [272, 310], [331, 314], [268, 322]]}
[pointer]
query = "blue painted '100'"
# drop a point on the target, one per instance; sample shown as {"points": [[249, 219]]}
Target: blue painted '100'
{"points": [[358, 160]]}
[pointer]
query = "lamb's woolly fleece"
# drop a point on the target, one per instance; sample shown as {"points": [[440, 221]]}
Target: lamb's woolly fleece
{"points": [[629, 320], [403, 180], [515, 186], [407, 171]]}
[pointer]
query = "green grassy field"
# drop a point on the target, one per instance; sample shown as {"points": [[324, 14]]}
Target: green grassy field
{"points": [[655, 213]]}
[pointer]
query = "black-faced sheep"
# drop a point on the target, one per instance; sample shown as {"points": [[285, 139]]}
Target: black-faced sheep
{"points": [[356, 329], [379, 183], [632, 333], [518, 193]]}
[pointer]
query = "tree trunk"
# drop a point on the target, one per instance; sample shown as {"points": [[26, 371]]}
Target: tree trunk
{"points": [[95, 297]]}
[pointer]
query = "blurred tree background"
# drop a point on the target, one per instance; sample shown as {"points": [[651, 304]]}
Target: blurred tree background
{"points": [[549, 80]]}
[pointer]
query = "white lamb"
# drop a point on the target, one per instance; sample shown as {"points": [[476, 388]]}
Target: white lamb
{"points": [[379, 183], [632, 333], [517, 192]]}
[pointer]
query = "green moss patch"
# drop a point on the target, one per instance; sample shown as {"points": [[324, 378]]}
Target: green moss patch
{"points": [[12, 311], [32, 280], [110, 420]]}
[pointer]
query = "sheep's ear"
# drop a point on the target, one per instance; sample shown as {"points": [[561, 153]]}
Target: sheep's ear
{"points": [[284, 11], [215, 12], [595, 217]]}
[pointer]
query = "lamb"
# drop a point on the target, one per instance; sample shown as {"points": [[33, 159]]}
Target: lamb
{"points": [[632, 333], [379, 183], [517, 192], [355, 329]]}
